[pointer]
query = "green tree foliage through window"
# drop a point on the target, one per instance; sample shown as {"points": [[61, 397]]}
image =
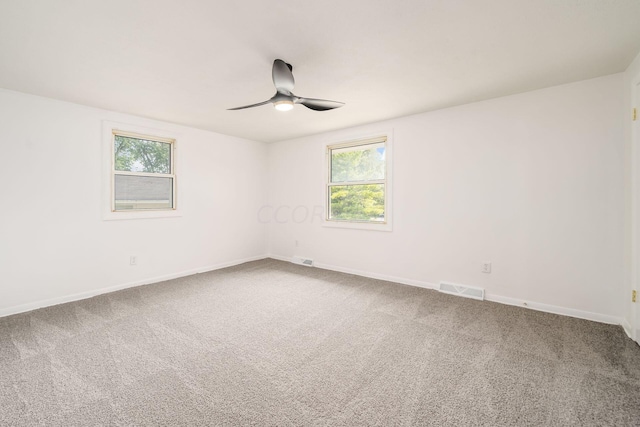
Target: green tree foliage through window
{"points": [[361, 169], [361, 163], [358, 202], [141, 155]]}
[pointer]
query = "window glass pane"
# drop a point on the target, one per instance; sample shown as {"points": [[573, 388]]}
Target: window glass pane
{"points": [[359, 163], [357, 202], [141, 155], [143, 192]]}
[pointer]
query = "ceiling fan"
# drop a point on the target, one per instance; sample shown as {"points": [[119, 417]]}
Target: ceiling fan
{"points": [[284, 99]]}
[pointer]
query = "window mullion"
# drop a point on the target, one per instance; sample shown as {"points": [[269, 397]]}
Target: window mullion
{"points": [[151, 174], [345, 183]]}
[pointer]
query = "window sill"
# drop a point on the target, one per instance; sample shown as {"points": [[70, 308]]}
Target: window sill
{"points": [[358, 225], [114, 216]]}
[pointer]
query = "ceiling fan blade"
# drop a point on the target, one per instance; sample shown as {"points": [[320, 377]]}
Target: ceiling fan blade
{"points": [[249, 106], [282, 76], [319, 104]]}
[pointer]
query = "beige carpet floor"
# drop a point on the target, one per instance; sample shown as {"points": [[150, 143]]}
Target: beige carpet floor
{"points": [[270, 343]]}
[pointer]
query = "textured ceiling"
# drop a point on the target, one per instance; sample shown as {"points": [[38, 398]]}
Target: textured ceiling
{"points": [[187, 62]]}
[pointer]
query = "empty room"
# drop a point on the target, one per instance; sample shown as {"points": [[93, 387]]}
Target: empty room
{"points": [[327, 213]]}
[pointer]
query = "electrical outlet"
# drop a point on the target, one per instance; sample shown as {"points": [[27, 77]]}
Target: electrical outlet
{"points": [[133, 260], [296, 243], [634, 295], [486, 267]]}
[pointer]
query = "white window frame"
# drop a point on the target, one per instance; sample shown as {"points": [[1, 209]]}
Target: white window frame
{"points": [[386, 225], [110, 129], [115, 172]]}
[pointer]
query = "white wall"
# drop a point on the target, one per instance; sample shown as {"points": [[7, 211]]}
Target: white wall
{"points": [[531, 182], [632, 202], [534, 183], [54, 244]]}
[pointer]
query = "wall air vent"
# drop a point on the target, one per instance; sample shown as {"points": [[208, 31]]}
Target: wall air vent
{"points": [[302, 261], [462, 290]]}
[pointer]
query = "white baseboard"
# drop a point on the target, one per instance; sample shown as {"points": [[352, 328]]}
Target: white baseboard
{"points": [[597, 317], [627, 328], [580, 314], [554, 309], [395, 279], [370, 275], [7, 311], [279, 257]]}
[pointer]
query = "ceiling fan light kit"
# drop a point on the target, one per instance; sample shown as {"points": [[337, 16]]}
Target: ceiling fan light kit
{"points": [[284, 105], [284, 99]]}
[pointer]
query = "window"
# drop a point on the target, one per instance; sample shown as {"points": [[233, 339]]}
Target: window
{"points": [[357, 184], [143, 173]]}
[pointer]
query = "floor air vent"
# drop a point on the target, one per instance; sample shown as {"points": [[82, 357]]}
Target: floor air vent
{"points": [[302, 261], [462, 290]]}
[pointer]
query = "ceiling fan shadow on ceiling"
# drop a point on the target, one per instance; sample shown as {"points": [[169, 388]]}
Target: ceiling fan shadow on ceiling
{"points": [[284, 99]]}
